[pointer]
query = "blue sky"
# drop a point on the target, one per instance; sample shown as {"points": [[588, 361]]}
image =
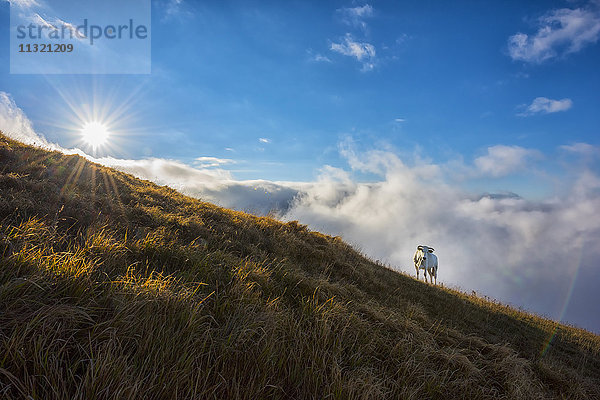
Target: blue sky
{"points": [[226, 74], [342, 114]]}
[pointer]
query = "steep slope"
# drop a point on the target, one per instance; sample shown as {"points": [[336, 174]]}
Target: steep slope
{"points": [[112, 287]]}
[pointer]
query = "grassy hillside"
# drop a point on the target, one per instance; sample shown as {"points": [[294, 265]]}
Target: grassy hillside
{"points": [[116, 288]]}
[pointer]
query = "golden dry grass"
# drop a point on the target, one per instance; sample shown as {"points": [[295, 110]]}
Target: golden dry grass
{"points": [[115, 288]]}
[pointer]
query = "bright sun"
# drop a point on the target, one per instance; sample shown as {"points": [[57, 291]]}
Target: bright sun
{"points": [[95, 133]]}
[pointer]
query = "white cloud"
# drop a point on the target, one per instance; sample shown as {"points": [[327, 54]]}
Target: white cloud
{"points": [[560, 32], [352, 48], [399, 120], [544, 105], [38, 20], [503, 160], [264, 140], [362, 51], [354, 16], [167, 172], [209, 162]]}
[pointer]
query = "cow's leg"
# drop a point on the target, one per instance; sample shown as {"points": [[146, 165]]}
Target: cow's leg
{"points": [[417, 272]]}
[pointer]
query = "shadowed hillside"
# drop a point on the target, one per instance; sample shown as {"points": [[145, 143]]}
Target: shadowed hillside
{"points": [[116, 288]]}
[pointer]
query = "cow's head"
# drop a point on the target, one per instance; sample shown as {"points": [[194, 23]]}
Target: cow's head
{"points": [[425, 250]]}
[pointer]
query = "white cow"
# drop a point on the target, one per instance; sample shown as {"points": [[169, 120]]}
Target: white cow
{"points": [[426, 260]]}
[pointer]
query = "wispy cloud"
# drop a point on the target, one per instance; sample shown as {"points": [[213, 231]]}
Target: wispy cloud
{"points": [[23, 3], [57, 26], [321, 58], [173, 9], [560, 32], [355, 16], [317, 57], [38, 20], [209, 162], [51, 23], [264, 140], [362, 51], [544, 105], [350, 47], [582, 149]]}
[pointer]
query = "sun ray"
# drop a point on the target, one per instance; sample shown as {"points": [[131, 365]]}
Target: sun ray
{"points": [[93, 182], [111, 188], [107, 187], [74, 176]]}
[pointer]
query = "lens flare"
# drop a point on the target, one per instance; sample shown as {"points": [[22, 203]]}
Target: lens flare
{"points": [[548, 343], [95, 134]]}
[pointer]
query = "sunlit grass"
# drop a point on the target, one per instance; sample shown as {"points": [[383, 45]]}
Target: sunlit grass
{"points": [[112, 287]]}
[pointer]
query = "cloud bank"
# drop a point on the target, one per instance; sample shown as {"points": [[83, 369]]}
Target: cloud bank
{"points": [[503, 160], [538, 254], [510, 248]]}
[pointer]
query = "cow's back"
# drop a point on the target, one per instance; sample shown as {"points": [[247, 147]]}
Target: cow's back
{"points": [[432, 260]]}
